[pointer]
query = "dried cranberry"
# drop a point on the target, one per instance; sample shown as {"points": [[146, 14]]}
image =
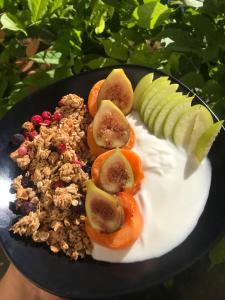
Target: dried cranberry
{"points": [[58, 183], [22, 150], [47, 122], [57, 116], [61, 148], [61, 102], [46, 115], [26, 207], [17, 139], [37, 119], [31, 134]]}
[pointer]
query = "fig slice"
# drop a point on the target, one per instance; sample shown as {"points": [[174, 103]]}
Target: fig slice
{"points": [[117, 88], [116, 174], [103, 210], [110, 127]]}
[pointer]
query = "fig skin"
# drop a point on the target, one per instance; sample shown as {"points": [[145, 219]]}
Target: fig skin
{"points": [[110, 127], [103, 210], [117, 88], [116, 174]]}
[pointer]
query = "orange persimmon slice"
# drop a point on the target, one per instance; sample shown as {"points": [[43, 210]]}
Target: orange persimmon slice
{"points": [[134, 161], [129, 231]]}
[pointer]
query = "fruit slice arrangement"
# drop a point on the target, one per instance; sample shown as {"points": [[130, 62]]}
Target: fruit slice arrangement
{"points": [[113, 216], [168, 114]]}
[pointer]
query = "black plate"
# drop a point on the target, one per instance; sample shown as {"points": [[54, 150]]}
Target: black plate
{"points": [[89, 279]]}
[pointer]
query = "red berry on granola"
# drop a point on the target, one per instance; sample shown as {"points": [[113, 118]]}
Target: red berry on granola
{"points": [[37, 119], [57, 116], [61, 148], [46, 115], [22, 150]]}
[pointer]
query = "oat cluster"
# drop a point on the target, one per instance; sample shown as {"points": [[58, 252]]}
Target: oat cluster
{"points": [[53, 162]]}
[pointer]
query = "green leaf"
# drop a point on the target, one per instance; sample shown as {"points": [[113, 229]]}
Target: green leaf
{"points": [[49, 57], [193, 3], [101, 62], [152, 14], [1, 3], [193, 80], [38, 9], [56, 5], [115, 47], [11, 22], [99, 14], [217, 254]]}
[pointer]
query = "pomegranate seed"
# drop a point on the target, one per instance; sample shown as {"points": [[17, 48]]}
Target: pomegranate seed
{"points": [[47, 122], [57, 116], [46, 115], [22, 150], [36, 120], [61, 148]]}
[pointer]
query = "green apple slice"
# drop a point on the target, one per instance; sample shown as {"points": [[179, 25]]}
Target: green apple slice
{"points": [[186, 123], [152, 88], [157, 98], [159, 106], [141, 86], [206, 140], [173, 116], [158, 124], [203, 121]]}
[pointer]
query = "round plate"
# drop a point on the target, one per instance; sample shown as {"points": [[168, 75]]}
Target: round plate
{"points": [[89, 279]]}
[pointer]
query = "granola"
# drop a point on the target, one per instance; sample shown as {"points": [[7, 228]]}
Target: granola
{"points": [[51, 191]]}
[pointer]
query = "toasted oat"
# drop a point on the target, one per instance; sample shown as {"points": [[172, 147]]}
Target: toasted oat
{"points": [[58, 181]]}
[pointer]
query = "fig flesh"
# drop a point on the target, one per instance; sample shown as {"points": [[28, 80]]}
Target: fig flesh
{"points": [[110, 127], [117, 88], [116, 174], [103, 210]]}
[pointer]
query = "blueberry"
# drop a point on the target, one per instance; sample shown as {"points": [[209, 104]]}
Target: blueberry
{"points": [[87, 167], [26, 182], [53, 148], [17, 139], [27, 207], [12, 207]]}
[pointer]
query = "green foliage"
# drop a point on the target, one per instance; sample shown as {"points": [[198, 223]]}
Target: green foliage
{"points": [[184, 38], [217, 254]]}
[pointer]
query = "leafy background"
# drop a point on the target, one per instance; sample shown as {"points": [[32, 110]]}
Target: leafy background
{"points": [[42, 41]]}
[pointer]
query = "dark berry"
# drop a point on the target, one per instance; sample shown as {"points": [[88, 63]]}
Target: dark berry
{"points": [[26, 207], [53, 148], [36, 120], [22, 150], [58, 183], [26, 182], [12, 207], [46, 115], [57, 116], [87, 167], [17, 139]]}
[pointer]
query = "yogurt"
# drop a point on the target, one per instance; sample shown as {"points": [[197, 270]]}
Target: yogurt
{"points": [[172, 197]]}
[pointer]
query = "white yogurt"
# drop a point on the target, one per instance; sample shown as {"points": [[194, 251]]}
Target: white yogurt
{"points": [[172, 197]]}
